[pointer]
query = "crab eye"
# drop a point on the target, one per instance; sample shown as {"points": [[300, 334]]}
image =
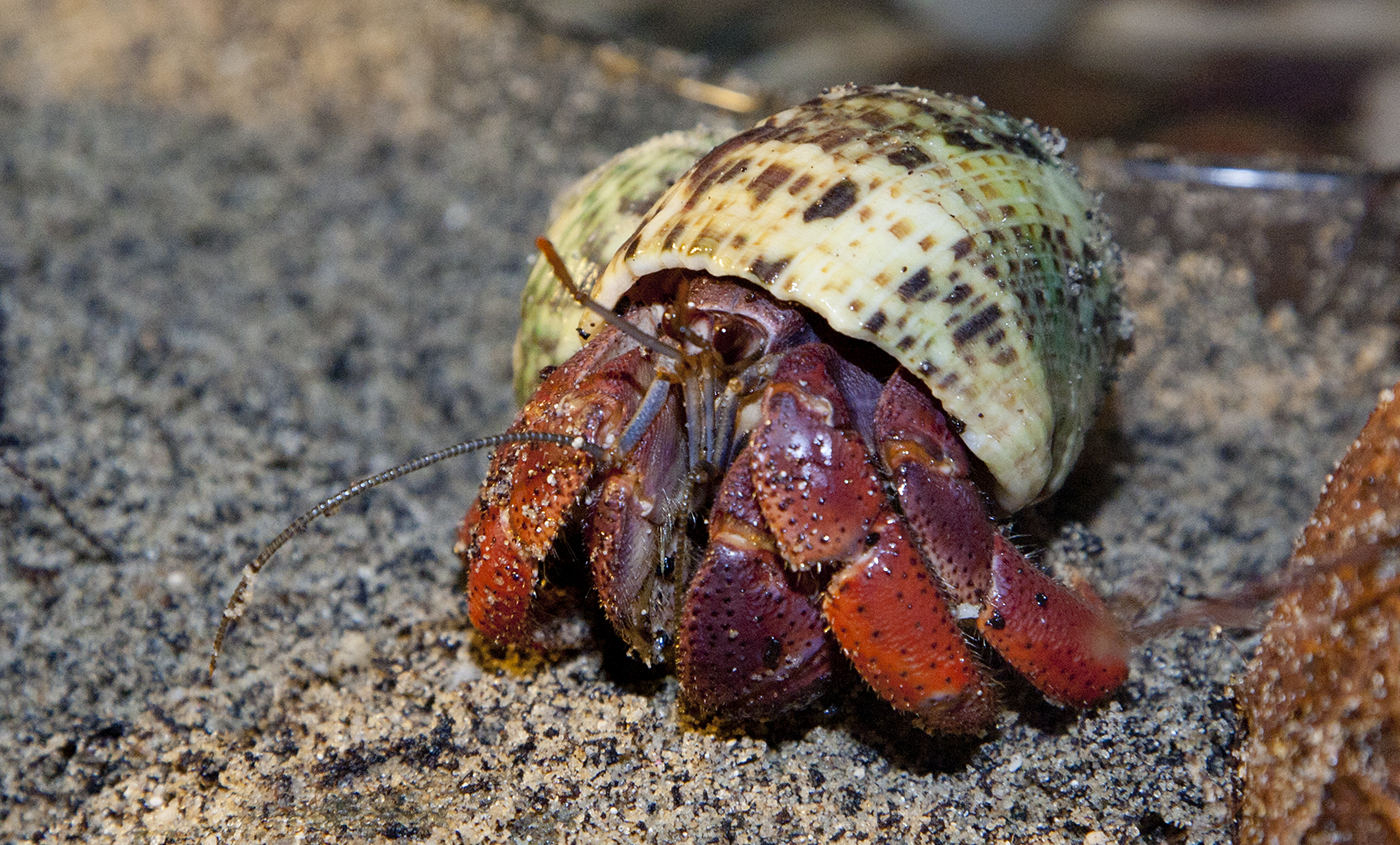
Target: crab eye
{"points": [[734, 338]]}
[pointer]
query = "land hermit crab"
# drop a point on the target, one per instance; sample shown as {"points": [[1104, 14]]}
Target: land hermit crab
{"points": [[769, 410]]}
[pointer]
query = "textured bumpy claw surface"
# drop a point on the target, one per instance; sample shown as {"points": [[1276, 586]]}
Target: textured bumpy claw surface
{"points": [[821, 493], [831, 311], [750, 641], [532, 489]]}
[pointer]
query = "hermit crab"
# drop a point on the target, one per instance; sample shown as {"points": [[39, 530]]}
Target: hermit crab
{"points": [[776, 386]]}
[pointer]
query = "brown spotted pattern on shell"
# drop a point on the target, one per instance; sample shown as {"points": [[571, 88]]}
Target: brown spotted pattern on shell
{"points": [[949, 235], [1321, 758]]}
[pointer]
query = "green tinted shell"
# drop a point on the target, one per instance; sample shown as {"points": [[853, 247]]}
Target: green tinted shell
{"points": [[590, 222], [948, 235]]}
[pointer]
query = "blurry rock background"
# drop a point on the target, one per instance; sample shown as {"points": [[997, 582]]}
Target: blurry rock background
{"points": [[1228, 77]]}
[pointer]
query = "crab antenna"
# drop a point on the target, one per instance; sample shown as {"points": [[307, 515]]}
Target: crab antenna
{"points": [[238, 602], [567, 280]]}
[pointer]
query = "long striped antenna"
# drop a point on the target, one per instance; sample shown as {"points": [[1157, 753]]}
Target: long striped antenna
{"points": [[242, 594], [567, 280]]}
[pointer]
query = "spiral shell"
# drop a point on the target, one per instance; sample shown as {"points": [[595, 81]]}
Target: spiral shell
{"points": [[948, 235]]}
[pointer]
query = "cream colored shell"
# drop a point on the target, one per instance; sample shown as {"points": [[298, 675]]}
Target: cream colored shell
{"points": [[948, 235]]}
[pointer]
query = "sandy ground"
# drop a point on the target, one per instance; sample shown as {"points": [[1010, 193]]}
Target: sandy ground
{"points": [[252, 251]]}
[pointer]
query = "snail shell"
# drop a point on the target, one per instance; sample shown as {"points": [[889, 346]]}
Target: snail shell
{"points": [[949, 235]]}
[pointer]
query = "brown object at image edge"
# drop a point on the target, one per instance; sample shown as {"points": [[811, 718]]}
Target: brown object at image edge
{"points": [[1321, 751]]}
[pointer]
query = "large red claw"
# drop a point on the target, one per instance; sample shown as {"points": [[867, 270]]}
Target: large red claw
{"points": [[750, 646], [1066, 642], [531, 489], [894, 624], [510, 529]]}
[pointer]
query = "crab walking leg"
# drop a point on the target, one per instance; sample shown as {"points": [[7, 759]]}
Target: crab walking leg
{"points": [[820, 494], [1065, 641], [893, 622], [636, 535], [929, 468], [750, 645], [532, 489]]}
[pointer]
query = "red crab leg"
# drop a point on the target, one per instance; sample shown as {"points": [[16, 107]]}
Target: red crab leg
{"points": [[750, 645], [824, 501], [531, 489], [1063, 640]]}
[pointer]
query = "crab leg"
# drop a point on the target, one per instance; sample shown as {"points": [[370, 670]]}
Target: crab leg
{"points": [[820, 494], [636, 534], [750, 645], [1065, 641], [532, 489]]}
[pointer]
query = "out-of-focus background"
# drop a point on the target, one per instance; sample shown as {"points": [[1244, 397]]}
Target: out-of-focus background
{"points": [[1220, 77]]}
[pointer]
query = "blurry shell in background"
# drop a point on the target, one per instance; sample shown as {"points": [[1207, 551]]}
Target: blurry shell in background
{"points": [[1321, 760]]}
